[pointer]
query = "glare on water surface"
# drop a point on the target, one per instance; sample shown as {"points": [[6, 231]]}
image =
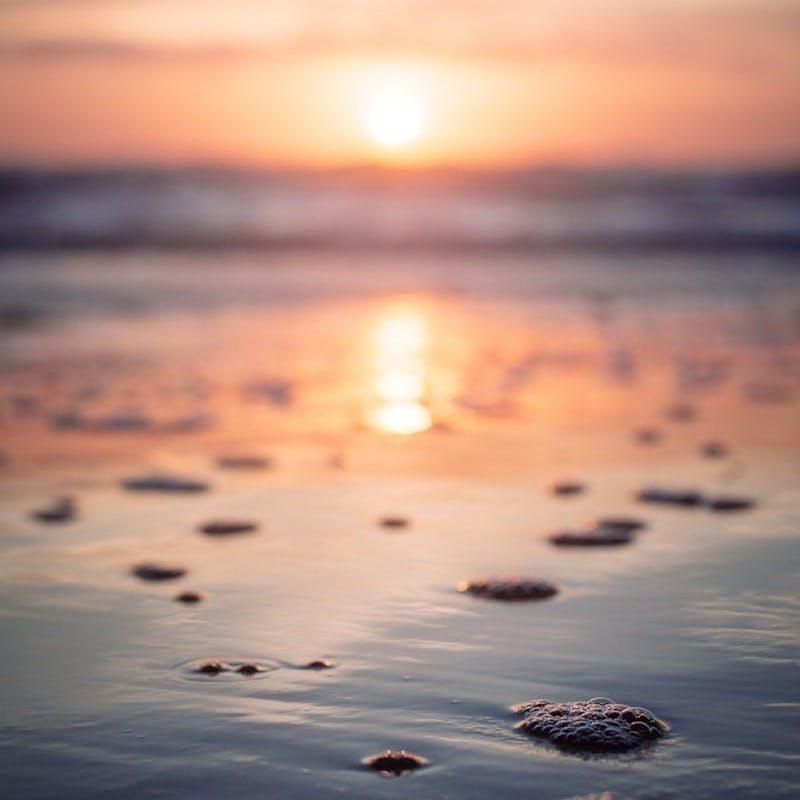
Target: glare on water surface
{"points": [[398, 384]]}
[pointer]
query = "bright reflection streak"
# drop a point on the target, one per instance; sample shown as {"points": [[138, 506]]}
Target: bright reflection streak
{"points": [[402, 417], [401, 335], [399, 381], [399, 384]]}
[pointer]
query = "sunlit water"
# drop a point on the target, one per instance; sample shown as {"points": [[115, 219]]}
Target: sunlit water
{"points": [[449, 393]]}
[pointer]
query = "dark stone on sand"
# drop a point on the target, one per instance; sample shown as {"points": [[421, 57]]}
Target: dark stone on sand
{"points": [[394, 762], [567, 488], [212, 668], [66, 421], [189, 597], [592, 537], [62, 510], [629, 524], [681, 412], [120, 423], [244, 462], [730, 503], [249, 669], [648, 435], [163, 483], [228, 527], [191, 423], [394, 522], [714, 450], [598, 725], [511, 588], [275, 391], [319, 664], [151, 571], [675, 497]]}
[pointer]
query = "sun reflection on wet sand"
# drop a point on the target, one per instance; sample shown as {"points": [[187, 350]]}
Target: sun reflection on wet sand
{"points": [[398, 383]]}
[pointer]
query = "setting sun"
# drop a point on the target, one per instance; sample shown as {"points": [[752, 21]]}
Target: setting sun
{"points": [[394, 118]]}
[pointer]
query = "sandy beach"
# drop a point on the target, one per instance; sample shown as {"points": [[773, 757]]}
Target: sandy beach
{"points": [[315, 399]]}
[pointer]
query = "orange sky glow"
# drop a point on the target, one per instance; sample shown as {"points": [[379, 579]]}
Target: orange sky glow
{"points": [[291, 83]]}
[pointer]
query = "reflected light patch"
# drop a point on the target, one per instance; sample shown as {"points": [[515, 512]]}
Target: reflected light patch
{"points": [[399, 381], [398, 384], [402, 417], [400, 334]]}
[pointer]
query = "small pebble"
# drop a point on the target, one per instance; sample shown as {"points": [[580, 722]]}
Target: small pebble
{"points": [[228, 527], [730, 503], [592, 537], [63, 509], [509, 588], [714, 450], [681, 412], [567, 488], [249, 669], [394, 762], [598, 725], [394, 522], [244, 462], [319, 664], [212, 668], [648, 435], [630, 524], [163, 483], [157, 572], [676, 497], [189, 597]]}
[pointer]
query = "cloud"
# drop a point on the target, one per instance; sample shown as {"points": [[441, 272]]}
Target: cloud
{"points": [[729, 34]]}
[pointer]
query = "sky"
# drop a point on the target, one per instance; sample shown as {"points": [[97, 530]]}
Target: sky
{"points": [[494, 83]]}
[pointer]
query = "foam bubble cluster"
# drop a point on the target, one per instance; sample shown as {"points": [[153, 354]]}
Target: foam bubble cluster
{"points": [[599, 725]]}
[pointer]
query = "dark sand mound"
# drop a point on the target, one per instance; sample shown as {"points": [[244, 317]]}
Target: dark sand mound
{"points": [[250, 669], [629, 524], [163, 483], [212, 667], [63, 509], [394, 762], [567, 488], [647, 435], [670, 497], [231, 667], [598, 725], [730, 503], [244, 462], [680, 412], [713, 450], [150, 571], [228, 527], [319, 664], [592, 537], [189, 597], [394, 522], [511, 588]]}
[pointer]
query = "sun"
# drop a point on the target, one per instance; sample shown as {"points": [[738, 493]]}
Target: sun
{"points": [[394, 118]]}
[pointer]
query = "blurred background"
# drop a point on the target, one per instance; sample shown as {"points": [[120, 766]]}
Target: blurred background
{"points": [[273, 123]]}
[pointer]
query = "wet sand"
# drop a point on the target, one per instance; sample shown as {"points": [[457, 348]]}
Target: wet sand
{"points": [[522, 385]]}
